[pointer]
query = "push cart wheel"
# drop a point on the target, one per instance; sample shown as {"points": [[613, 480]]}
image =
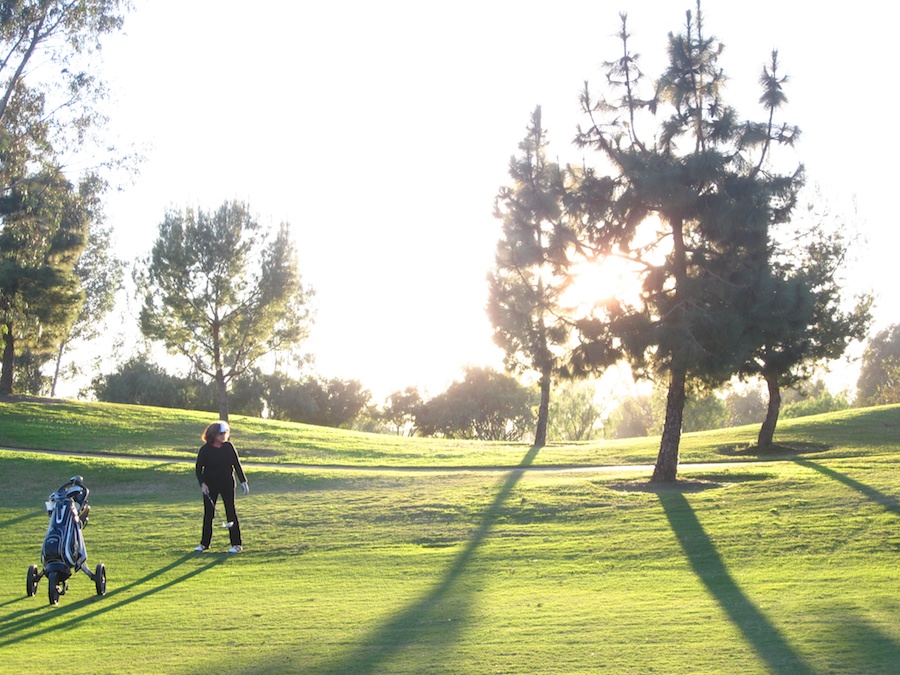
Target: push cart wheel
{"points": [[53, 588], [100, 579], [33, 578]]}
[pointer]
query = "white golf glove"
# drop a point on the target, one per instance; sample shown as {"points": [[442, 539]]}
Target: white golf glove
{"points": [[246, 488]]}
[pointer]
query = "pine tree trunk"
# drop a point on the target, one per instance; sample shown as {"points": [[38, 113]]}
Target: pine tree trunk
{"points": [[540, 433], [767, 431], [59, 356], [8, 362], [222, 395], [666, 470]]}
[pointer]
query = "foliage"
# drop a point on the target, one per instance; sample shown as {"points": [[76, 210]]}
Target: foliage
{"points": [[800, 314], [48, 113], [824, 402], [641, 415], [705, 410], [100, 274], [328, 403], [879, 375], [371, 420], [400, 410], [707, 180], [44, 230], [223, 292], [484, 405], [576, 414], [46, 79], [339, 402], [744, 407], [888, 388], [644, 414], [248, 394], [530, 269], [634, 416], [141, 381]]}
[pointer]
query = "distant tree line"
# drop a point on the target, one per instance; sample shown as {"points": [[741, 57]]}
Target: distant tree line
{"points": [[643, 415], [333, 402], [484, 404]]}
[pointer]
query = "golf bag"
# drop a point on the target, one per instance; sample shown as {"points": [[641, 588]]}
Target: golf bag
{"points": [[63, 547], [63, 552]]}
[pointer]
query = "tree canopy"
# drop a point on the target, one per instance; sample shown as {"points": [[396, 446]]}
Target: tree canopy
{"points": [[800, 314], [879, 375], [531, 261], [705, 181], [329, 403], [45, 222], [100, 275], [49, 112], [484, 405], [400, 409], [48, 89], [222, 291]]}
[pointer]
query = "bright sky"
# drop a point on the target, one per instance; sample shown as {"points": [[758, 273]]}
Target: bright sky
{"points": [[382, 131]]}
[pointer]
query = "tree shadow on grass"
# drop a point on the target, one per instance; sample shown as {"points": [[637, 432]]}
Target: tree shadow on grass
{"points": [[859, 646], [425, 621], [21, 519], [776, 451], [29, 623], [766, 640], [889, 502]]}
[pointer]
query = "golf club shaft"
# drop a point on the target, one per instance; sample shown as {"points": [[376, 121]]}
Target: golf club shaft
{"points": [[229, 524]]}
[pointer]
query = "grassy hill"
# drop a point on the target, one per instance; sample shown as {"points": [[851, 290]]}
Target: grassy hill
{"points": [[777, 564], [112, 429]]}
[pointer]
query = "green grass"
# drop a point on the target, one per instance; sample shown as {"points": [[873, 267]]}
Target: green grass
{"points": [[162, 432], [783, 566]]}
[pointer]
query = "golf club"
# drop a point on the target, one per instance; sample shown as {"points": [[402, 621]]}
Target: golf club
{"points": [[228, 524]]}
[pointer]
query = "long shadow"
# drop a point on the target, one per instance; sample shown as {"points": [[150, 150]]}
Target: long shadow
{"points": [[21, 519], [889, 502], [9, 523], [862, 646], [15, 628], [706, 562], [415, 624]]}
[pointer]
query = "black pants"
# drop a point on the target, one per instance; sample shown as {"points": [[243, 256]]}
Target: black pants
{"points": [[209, 513]]}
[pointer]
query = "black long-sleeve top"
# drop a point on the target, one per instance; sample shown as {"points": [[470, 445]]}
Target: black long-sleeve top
{"points": [[217, 466]]}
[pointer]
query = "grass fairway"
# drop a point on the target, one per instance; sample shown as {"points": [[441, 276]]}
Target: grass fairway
{"points": [[785, 566]]}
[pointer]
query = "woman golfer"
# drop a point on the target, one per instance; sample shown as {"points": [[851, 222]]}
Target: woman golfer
{"points": [[217, 463]]}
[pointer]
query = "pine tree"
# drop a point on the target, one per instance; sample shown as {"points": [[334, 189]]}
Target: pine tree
{"points": [[800, 312], [45, 223], [530, 268], [706, 180]]}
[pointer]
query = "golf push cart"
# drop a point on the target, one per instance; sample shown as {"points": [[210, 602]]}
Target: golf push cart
{"points": [[63, 552]]}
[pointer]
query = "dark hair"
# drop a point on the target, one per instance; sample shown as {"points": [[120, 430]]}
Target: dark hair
{"points": [[214, 429]]}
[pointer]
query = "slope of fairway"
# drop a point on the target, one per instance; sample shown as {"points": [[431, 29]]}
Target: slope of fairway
{"points": [[781, 566], [106, 428]]}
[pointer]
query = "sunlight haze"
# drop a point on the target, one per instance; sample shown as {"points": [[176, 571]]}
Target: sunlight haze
{"points": [[382, 131]]}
